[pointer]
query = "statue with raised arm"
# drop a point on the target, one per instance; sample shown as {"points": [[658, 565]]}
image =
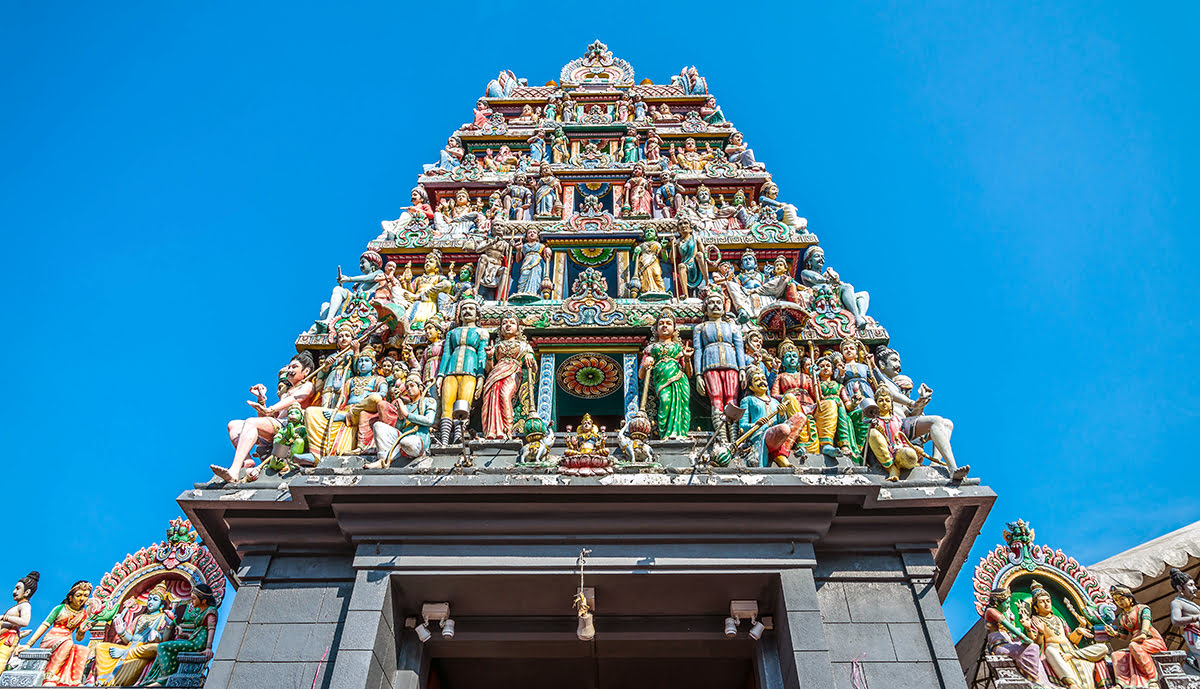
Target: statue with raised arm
{"points": [[427, 288], [667, 198], [332, 428], [59, 633], [911, 412], [17, 617], [371, 264], [738, 153], [815, 273], [785, 213], [420, 212], [1005, 637], [194, 633], [121, 663], [416, 411], [647, 267], [637, 194]]}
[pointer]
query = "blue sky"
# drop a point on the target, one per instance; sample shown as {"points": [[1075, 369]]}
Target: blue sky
{"points": [[1015, 186]]}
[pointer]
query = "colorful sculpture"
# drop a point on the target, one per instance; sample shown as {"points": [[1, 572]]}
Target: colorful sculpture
{"points": [[1134, 666], [633, 437], [63, 627], [637, 194], [815, 273], [122, 663], [761, 410], [663, 367], [533, 281], [719, 356], [17, 617], [547, 200], [1005, 637], [509, 358], [834, 430], [420, 212], [371, 264], [913, 421], [194, 632], [1185, 613], [408, 437], [891, 448], [647, 268], [692, 262], [585, 454], [464, 358], [1068, 664]]}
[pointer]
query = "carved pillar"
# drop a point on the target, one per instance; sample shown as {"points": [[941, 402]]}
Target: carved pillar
{"points": [[800, 633], [367, 648], [631, 382], [545, 393]]}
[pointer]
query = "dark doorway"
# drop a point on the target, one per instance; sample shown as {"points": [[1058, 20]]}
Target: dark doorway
{"points": [[592, 673]]}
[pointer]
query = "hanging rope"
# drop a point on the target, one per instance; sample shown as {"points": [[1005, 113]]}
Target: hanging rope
{"points": [[858, 678]]}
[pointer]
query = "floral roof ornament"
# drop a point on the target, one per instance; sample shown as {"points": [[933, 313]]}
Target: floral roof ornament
{"points": [[597, 67]]}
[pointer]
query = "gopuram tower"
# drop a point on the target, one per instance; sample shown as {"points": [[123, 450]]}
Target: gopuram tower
{"points": [[592, 412]]}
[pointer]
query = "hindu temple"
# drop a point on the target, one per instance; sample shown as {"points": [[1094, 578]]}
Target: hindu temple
{"points": [[594, 411]]}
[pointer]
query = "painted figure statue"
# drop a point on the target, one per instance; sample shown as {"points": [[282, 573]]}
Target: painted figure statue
{"points": [[537, 147], [633, 437], [718, 360], [547, 200], [693, 263], [534, 276], [63, 627], [738, 153], [703, 213], [431, 357], [1185, 613], [464, 358], [854, 374], [759, 406], [371, 264], [585, 453], [536, 444], [1069, 665], [637, 194], [653, 149], [504, 85], [560, 147], [835, 430], [518, 198], [194, 632], [1134, 665], [815, 273], [664, 366], [427, 290], [246, 433], [490, 275], [450, 157], [667, 198], [419, 211], [785, 213], [121, 664], [647, 267], [409, 438], [1006, 638], [791, 380], [914, 421], [17, 617], [629, 146], [690, 158], [711, 113], [332, 429], [290, 440], [887, 441], [506, 360]]}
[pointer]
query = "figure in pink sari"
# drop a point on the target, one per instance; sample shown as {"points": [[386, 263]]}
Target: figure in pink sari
{"points": [[66, 620], [1134, 666], [506, 359]]}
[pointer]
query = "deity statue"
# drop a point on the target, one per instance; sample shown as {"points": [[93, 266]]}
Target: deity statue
{"points": [[504, 85], [585, 454], [622, 113], [560, 147], [758, 357], [1134, 666], [711, 113], [419, 211], [547, 200], [506, 359], [653, 146], [639, 108], [526, 117], [450, 158], [431, 357], [409, 437], [637, 194], [459, 217], [693, 261], [690, 81], [194, 632], [482, 113], [462, 283], [1075, 668], [464, 358], [371, 264], [1006, 638], [738, 153], [336, 368], [854, 375], [892, 449], [331, 430], [246, 433], [392, 288], [668, 199], [736, 299], [629, 146], [489, 163], [490, 270], [569, 111], [647, 269], [781, 286], [664, 366], [121, 664], [1185, 613], [914, 421], [759, 406], [718, 359], [783, 212], [537, 147], [518, 198], [533, 279], [664, 115], [703, 213], [835, 431], [815, 273], [690, 158], [427, 290], [506, 161], [633, 437], [535, 446], [17, 617], [65, 625], [798, 429], [552, 109], [791, 380]]}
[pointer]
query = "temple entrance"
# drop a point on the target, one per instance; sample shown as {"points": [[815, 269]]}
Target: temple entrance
{"points": [[599, 672], [589, 383]]}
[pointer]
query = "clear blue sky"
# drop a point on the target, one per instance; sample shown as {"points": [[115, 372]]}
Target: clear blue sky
{"points": [[1015, 186]]}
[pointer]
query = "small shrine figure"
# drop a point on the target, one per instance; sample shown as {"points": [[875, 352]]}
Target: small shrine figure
{"points": [[797, 430], [527, 116], [834, 429], [552, 109], [393, 288], [690, 158], [560, 147], [428, 290], [290, 439], [569, 110], [711, 113], [693, 261], [1185, 613], [912, 411], [854, 374], [331, 430], [739, 154], [431, 357], [547, 200], [639, 108], [408, 439], [629, 146], [664, 115], [121, 664], [664, 368], [537, 147], [761, 410], [518, 198], [633, 437], [459, 217], [490, 273], [463, 360], [703, 213], [783, 212], [892, 449], [791, 380], [718, 359], [1134, 666], [371, 264], [450, 158], [585, 454], [482, 114], [815, 273], [507, 358], [647, 269], [653, 148], [623, 110], [1069, 665], [194, 632], [758, 357], [637, 194], [65, 625], [533, 279], [1006, 638], [17, 617], [489, 163], [668, 199], [418, 213], [535, 446]]}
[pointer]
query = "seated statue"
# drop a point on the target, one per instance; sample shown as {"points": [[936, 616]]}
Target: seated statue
{"points": [[121, 664]]}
